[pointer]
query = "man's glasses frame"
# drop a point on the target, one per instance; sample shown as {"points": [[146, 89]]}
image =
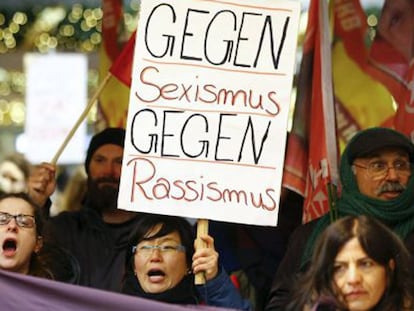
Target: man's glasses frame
{"points": [[379, 169]]}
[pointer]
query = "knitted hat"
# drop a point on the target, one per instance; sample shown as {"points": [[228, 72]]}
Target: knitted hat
{"points": [[109, 136], [366, 142]]}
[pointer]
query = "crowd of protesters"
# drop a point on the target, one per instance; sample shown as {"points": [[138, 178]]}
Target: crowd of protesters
{"points": [[245, 267]]}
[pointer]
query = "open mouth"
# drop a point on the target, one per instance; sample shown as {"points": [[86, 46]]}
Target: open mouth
{"points": [[155, 272], [156, 275], [9, 247]]}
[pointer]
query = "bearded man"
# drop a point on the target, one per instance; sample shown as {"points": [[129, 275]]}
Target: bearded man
{"points": [[97, 235]]}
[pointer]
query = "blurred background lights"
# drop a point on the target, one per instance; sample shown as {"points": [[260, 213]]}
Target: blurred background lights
{"points": [[73, 27]]}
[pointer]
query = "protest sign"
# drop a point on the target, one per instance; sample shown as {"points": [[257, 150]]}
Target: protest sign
{"points": [[56, 94], [208, 111]]}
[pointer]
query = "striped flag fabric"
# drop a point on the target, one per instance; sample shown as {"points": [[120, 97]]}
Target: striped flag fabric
{"points": [[311, 156]]}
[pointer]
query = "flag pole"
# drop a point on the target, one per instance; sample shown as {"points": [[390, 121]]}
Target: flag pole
{"points": [[328, 103], [81, 117], [332, 198]]}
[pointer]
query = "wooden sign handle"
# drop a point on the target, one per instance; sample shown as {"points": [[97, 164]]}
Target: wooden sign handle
{"points": [[202, 229], [81, 118]]}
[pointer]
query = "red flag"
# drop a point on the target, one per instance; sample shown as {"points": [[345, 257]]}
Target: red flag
{"points": [[122, 66], [311, 158]]}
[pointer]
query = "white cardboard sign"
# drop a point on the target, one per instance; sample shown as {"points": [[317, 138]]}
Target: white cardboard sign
{"points": [[208, 109]]}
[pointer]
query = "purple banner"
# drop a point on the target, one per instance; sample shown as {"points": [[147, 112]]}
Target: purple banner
{"points": [[21, 292]]}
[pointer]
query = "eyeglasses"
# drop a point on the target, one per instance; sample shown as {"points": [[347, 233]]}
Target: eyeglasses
{"points": [[146, 250], [23, 221], [380, 169]]}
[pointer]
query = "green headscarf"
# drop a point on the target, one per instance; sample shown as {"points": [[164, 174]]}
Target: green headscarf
{"points": [[397, 213]]}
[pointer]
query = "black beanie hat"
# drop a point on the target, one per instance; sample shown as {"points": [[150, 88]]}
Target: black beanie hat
{"points": [[110, 135]]}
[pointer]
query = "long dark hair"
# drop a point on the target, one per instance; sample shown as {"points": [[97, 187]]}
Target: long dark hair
{"points": [[37, 267], [379, 242]]}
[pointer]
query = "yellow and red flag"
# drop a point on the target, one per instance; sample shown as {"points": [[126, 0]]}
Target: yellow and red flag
{"points": [[114, 98], [392, 56], [361, 100]]}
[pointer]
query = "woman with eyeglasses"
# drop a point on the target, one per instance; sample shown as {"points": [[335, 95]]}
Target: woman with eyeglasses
{"points": [[162, 263], [21, 235]]}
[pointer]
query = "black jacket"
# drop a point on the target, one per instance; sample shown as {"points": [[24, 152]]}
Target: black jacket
{"points": [[98, 247]]}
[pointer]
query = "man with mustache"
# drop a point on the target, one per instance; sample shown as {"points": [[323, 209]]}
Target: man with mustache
{"points": [[96, 235], [377, 180]]}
